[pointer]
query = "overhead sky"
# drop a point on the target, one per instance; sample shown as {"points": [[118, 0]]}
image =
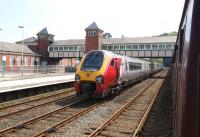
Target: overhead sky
{"points": [[67, 19]]}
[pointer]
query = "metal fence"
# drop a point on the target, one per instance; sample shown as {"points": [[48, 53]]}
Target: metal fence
{"points": [[13, 71]]}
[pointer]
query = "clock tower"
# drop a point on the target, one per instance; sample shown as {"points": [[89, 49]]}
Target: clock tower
{"points": [[93, 39], [44, 40]]}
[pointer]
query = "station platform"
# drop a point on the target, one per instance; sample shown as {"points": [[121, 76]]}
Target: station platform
{"points": [[35, 80]]}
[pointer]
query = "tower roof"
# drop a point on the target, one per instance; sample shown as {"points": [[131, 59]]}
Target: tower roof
{"points": [[93, 26], [43, 31]]}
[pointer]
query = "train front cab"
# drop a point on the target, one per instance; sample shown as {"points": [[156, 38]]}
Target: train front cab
{"points": [[96, 74]]}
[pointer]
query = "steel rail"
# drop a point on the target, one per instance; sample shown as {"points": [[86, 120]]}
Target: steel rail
{"points": [[139, 127], [16, 112], [98, 130], [21, 125], [67, 120], [37, 99]]}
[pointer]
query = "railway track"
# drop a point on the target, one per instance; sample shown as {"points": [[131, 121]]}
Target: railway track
{"points": [[49, 122], [18, 102], [129, 119], [33, 103]]}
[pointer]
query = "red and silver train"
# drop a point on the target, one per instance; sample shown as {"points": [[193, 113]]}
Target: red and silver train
{"points": [[101, 73]]}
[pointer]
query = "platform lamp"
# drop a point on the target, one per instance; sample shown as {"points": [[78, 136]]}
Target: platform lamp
{"points": [[22, 56], [77, 61]]}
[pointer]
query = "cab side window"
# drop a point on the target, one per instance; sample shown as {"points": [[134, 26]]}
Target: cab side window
{"points": [[112, 62]]}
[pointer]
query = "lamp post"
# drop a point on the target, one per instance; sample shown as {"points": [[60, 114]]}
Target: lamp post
{"points": [[22, 56], [77, 55]]}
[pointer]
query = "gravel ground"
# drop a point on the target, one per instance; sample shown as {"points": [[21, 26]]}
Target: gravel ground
{"points": [[30, 114], [87, 123]]}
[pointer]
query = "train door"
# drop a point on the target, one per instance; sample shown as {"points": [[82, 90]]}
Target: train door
{"points": [[112, 73], [116, 70], [122, 71]]}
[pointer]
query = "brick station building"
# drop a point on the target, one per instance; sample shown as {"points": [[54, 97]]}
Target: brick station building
{"points": [[44, 50], [12, 54]]}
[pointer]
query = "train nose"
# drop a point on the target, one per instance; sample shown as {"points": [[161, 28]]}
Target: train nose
{"points": [[88, 88]]}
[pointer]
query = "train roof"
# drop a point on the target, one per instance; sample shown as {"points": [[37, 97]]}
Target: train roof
{"points": [[122, 56], [119, 55]]}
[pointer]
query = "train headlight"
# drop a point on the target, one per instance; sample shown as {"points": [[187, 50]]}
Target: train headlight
{"points": [[77, 78], [99, 79]]}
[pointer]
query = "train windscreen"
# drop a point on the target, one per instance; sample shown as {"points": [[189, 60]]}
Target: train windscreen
{"points": [[93, 61]]}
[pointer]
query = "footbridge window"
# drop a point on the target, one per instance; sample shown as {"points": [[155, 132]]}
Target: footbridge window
{"points": [[155, 46], [135, 47]]}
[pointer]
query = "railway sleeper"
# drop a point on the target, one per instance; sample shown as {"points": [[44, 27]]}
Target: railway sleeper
{"points": [[114, 134], [127, 118], [60, 116], [120, 129], [128, 124], [53, 119], [131, 114]]}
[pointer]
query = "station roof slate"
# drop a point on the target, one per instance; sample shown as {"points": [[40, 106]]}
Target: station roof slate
{"points": [[15, 48], [92, 26], [69, 42], [124, 40], [43, 31], [29, 41], [159, 39]]}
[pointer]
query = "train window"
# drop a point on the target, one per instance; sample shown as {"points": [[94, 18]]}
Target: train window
{"points": [[112, 62], [93, 61], [151, 66], [134, 66], [130, 64]]}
